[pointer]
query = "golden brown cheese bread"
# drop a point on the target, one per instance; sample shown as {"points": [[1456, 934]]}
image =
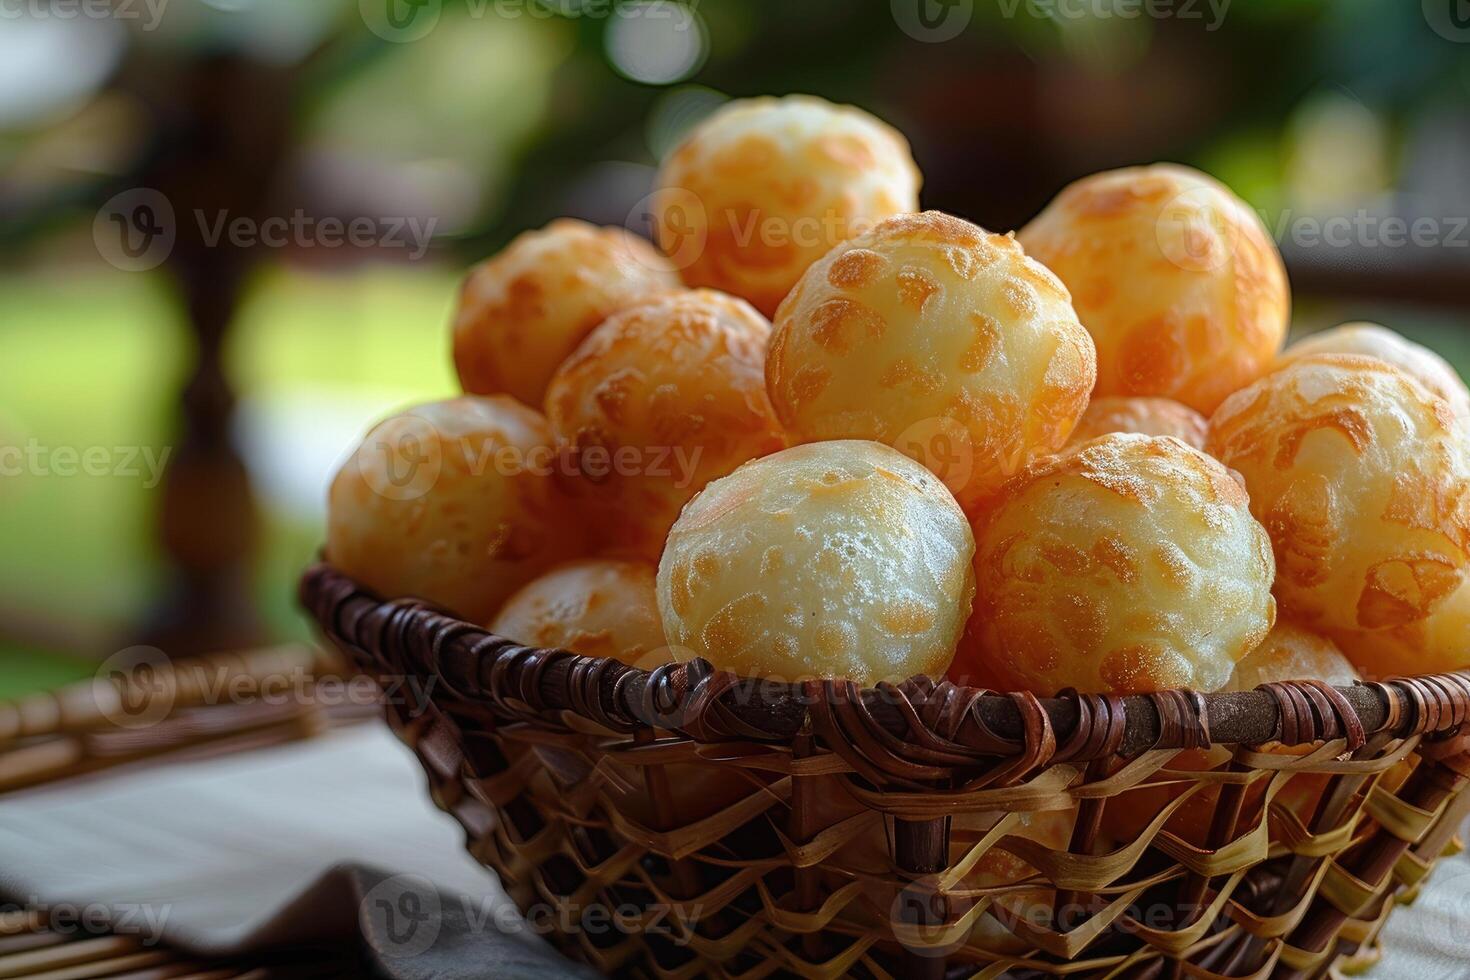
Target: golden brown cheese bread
{"points": [[657, 401], [453, 502], [595, 607], [763, 187], [1128, 564], [1174, 276], [1359, 474], [932, 335], [521, 312], [1146, 416], [1415, 360]]}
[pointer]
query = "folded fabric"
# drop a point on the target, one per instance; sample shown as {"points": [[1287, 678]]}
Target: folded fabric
{"points": [[306, 842]]}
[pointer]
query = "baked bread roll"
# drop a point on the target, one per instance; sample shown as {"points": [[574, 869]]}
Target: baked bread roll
{"points": [[1291, 653], [1415, 360], [1146, 416], [656, 402], [1128, 564], [836, 559], [595, 607], [764, 187], [523, 311], [1359, 474], [1436, 644], [936, 337], [1174, 276], [453, 502]]}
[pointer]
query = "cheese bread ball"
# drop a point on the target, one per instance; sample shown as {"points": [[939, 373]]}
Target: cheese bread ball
{"points": [[656, 402], [971, 668], [1146, 416], [1415, 360], [763, 187], [836, 559], [453, 502], [1291, 653], [1174, 276], [523, 311], [1436, 644], [1129, 564], [1360, 476], [598, 608], [925, 318]]}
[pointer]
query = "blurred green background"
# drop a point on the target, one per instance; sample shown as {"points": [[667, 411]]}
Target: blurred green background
{"points": [[490, 117]]}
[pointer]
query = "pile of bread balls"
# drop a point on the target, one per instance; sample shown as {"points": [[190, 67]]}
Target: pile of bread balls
{"points": [[815, 431]]}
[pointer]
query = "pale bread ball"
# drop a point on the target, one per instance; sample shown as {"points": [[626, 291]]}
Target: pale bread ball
{"points": [[1436, 644], [932, 335], [1174, 276], [521, 312], [836, 559], [453, 502], [1415, 360], [1291, 653], [1146, 416], [764, 187], [1126, 565], [595, 607], [1359, 474], [656, 402]]}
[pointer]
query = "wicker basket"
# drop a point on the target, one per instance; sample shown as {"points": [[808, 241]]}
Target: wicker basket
{"points": [[529, 750]]}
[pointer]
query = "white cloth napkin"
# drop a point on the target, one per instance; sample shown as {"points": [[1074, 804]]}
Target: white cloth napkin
{"points": [[213, 850], [223, 854]]}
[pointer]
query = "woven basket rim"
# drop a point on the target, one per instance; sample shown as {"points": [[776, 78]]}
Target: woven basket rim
{"points": [[920, 717]]}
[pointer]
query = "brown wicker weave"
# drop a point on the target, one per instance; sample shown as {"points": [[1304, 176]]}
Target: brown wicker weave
{"points": [[761, 888]]}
